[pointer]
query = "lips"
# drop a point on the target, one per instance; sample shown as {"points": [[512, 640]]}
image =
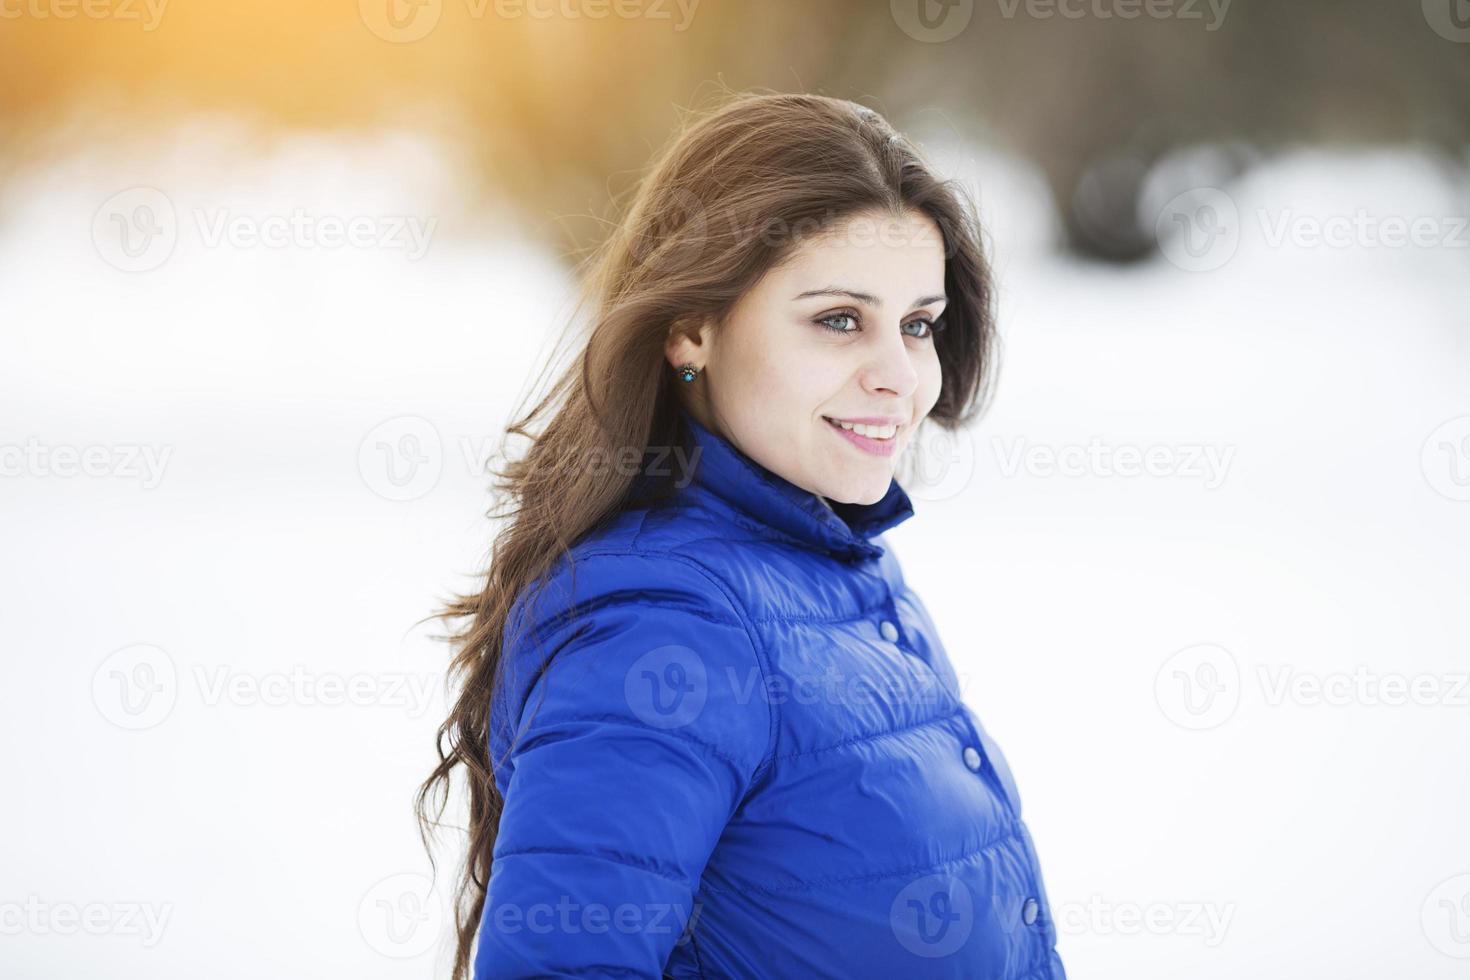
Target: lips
{"points": [[877, 446], [874, 427]]}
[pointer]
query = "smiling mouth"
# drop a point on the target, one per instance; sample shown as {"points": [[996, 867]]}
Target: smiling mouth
{"points": [[879, 433]]}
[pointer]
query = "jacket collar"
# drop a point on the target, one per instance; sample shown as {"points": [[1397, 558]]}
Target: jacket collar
{"points": [[793, 513]]}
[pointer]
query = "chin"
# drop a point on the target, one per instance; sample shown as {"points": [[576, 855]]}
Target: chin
{"points": [[867, 489]]}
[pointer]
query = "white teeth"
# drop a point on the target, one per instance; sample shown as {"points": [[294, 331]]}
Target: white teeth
{"points": [[871, 431]]}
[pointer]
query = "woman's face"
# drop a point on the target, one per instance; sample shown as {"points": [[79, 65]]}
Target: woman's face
{"points": [[840, 332]]}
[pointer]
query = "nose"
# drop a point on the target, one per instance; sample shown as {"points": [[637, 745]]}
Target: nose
{"points": [[890, 365]]}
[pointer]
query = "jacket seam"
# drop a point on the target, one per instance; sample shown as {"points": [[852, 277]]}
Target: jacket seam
{"points": [[858, 739], [743, 620], [768, 757], [1008, 834], [861, 614], [694, 951], [765, 533], [1042, 969], [753, 523], [633, 551], [595, 855], [680, 735], [581, 609]]}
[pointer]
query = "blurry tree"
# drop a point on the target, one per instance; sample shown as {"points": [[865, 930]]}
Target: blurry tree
{"points": [[550, 106]]}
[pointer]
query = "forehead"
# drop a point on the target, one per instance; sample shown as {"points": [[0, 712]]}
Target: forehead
{"points": [[892, 257]]}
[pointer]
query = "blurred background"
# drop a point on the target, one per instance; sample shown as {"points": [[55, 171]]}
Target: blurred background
{"points": [[273, 277]]}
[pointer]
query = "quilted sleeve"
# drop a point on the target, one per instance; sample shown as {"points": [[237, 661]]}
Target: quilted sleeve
{"points": [[627, 756]]}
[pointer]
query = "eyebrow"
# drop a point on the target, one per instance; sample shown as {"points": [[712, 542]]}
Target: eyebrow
{"points": [[866, 298]]}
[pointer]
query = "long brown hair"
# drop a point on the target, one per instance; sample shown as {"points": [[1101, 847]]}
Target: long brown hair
{"points": [[729, 198]]}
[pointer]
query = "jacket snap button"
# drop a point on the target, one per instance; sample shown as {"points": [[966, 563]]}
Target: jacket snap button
{"points": [[889, 631], [972, 758], [1028, 911]]}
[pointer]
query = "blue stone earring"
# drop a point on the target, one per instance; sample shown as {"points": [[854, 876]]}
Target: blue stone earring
{"points": [[688, 372]]}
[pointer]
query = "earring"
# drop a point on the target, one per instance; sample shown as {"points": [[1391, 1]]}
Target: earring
{"points": [[688, 372]]}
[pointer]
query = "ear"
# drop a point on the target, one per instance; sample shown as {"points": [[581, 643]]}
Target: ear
{"points": [[689, 342]]}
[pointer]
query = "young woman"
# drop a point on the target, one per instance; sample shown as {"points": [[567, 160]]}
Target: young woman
{"points": [[709, 730]]}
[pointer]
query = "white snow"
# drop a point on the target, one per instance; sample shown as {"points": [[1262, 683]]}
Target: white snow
{"points": [[264, 561]]}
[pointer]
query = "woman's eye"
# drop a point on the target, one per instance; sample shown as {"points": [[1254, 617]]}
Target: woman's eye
{"points": [[826, 321], [927, 328]]}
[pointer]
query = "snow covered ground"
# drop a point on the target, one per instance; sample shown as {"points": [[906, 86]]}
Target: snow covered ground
{"points": [[1202, 568]]}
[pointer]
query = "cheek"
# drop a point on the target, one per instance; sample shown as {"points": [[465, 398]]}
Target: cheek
{"points": [[931, 381], [748, 365], [801, 378]]}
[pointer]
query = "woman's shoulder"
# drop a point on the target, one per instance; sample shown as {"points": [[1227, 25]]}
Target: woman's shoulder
{"points": [[607, 620], [677, 541], [619, 570], [629, 558], [688, 522]]}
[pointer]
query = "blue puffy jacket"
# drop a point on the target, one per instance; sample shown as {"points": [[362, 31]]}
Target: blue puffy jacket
{"points": [[748, 757]]}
